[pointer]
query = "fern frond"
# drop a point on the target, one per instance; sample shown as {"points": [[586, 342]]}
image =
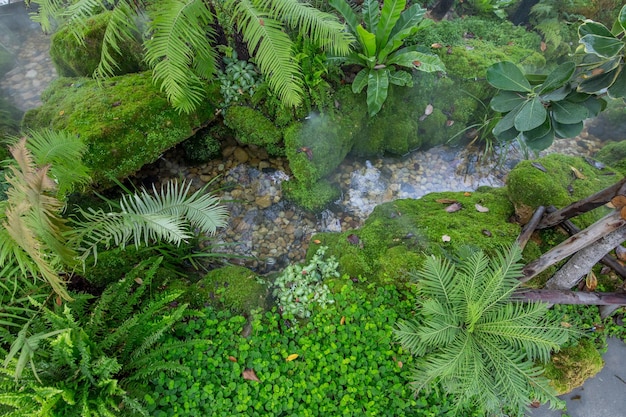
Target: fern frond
{"points": [[48, 13], [435, 280], [76, 14], [324, 29], [120, 28], [180, 34], [271, 47]]}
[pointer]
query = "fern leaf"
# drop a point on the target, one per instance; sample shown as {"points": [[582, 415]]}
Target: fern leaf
{"points": [[271, 47], [180, 32]]}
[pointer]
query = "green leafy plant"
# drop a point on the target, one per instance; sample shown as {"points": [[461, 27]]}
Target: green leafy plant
{"points": [[239, 78], [381, 33], [476, 342], [299, 288]]}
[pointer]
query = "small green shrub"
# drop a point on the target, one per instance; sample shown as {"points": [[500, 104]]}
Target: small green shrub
{"points": [[202, 147], [299, 288], [239, 79]]}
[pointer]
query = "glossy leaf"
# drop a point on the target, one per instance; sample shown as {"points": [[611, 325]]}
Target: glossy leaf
{"points": [[603, 46], [563, 131], [568, 113], [540, 131], [621, 18], [598, 83], [558, 77], [351, 18], [371, 14], [506, 135], [557, 95], [594, 105], [506, 101], [367, 40], [401, 78], [508, 121], [377, 89], [531, 115], [418, 60], [507, 76], [389, 15], [360, 81], [618, 89], [589, 27], [407, 23], [538, 143]]}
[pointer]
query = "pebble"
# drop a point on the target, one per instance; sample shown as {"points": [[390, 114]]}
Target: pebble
{"points": [[261, 223]]}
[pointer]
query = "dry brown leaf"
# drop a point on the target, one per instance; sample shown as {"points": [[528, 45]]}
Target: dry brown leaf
{"points": [[139, 280], [317, 242], [446, 200], [62, 112], [467, 194], [250, 375], [436, 46], [620, 252], [429, 109], [591, 281], [566, 324], [618, 201], [454, 207], [58, 300], [480, 208], [400, 364], [446, 238], [543, 46], [232, 359], [343, 320], [579, 175], [622, 213]]}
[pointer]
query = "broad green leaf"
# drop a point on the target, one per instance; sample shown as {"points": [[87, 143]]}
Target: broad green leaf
{"points": [[401, 78], [507, 76], [595, 105], [506, 135], [407, 23], [377, 89], [531, 115], [506, 101], [540, 131], [621, 18], [603, 46], [371, 13], [577, 97], [507, 121], [598, 83], [558, 77], [556, 95], [392, 45], [343, 7], [536, 79], [618, 89], [389, 15], [360, 81], [568, 113], [367, 40], [589, 27], [538, 144], [426, 62], [563, 131]]}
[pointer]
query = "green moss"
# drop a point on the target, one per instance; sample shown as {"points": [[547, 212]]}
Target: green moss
{"points": [[251, 127], [395, 236], [614, 154], [572, 366], [125, 121], [73, 59], [529, 187], [312, 197], [233, 287], [205, 145]]}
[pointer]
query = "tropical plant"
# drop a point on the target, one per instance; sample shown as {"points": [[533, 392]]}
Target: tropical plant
{"points": [[94, 358], [380, 33], [538, 108], [477, 343], [179, 46]]}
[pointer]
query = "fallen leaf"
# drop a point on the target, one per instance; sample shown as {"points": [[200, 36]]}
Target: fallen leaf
{"points": [[249, 375], [622, 213], [591, 281], [139, 280], [400, 364], [343, 320], [449, 123], [446, 201], [480, 208], [620, 252], [62, 112], [317, 242], [535, 404], [618, 202], [353, 239], [566, 324], [487, 233], [429, 110], [436, 46], [58, 300], [446, 238], [543, 46], [292, 357], [454, 207], [467, 194], [232, 359], [539, 166], [579, 175]]}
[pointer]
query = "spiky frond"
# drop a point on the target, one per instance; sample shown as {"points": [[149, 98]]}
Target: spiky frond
{"points": [[168, 215], [271, 47], [474, 340], [48, 13], [179, 43]]}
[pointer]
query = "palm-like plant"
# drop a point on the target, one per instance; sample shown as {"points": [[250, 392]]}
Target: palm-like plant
{"points": [[179, 46], [474, 340]]}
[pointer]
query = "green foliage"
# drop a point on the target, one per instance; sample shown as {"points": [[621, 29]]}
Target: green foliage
{"points": [[203, 146], [614, 155], [381, 36], [95, 358], [312, 197], [252, 127], [125, 121], [299, 288], [473, 340], [345, 367], [496, 7], [239, 78], [573, 365]]}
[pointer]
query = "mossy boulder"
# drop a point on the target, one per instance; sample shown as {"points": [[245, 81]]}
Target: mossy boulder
{"points": [[74, 59], [233, 287], [572, 366], [557, 180], [125, 121], [313, 197], [614, 154], [395, 236], [252, 127]]}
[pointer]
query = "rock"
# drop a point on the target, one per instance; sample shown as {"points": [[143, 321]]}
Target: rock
{"points": [[263, 201], [241, 155], [228, 151]]}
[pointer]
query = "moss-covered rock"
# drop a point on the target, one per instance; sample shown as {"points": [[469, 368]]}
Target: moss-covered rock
{"points": [[614, 154], [206, 144], [232, 287], [313, 197], [395, 236], [74, 59], [572, 366], [566, 179], [125, 121], [251, 127]]}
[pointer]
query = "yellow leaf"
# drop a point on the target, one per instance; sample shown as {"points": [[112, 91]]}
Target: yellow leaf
{"points": [[591, 281], [566, 324], [577, 173], [62, 112], [139, 280], [292, 357], [343, 320]]}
